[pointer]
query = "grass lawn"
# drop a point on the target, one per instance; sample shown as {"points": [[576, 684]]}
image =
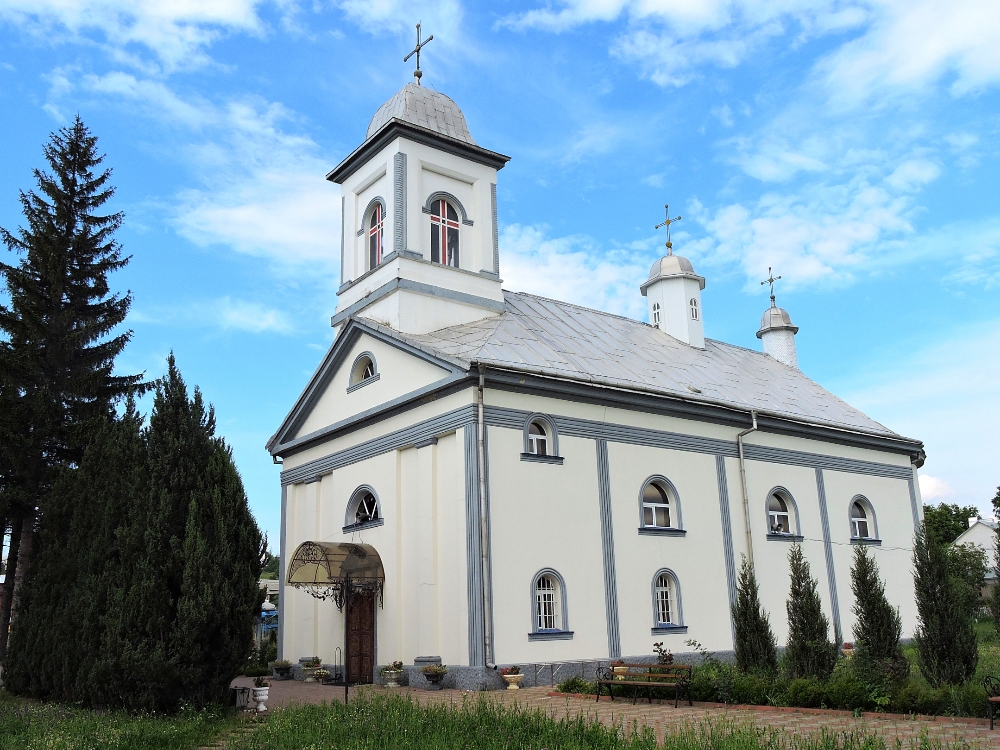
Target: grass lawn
{"points": [[28, 725], [373, 722]]}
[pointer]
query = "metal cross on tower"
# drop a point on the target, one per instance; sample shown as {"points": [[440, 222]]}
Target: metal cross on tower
{"points": [[667, 223], [771, 278], [416, 51]]}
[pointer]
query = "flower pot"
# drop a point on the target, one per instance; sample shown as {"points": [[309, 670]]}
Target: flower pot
{"points": [[281, 673], [260, 697], [620, 672], [434, 680], [513, 680], [392, 677], [309, 674]]}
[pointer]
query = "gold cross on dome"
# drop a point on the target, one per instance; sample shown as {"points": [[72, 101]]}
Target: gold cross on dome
{"points": [[771, 278], [667, 223], [416, 51]]}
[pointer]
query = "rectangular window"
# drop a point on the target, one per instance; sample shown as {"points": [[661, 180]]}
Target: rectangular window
{"points": [[436, 244], [546, 610], [663, 605], [860, 528], [656, 515]]}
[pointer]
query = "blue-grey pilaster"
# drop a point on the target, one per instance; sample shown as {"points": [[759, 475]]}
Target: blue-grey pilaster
{"points": [[282, 562], [496, 235], [727, 536], [913, 504], [608, 549], [831, 576], [473, 549], [399, 203]]}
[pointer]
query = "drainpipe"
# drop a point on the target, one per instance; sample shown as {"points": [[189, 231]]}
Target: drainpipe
{"points": [[484, 526], [743, 481]]}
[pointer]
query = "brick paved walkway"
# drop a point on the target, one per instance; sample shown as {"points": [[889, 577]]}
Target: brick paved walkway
{"points": [[664, 718]]}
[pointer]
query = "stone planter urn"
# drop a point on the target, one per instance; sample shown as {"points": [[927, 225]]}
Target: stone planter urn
{"points": [[260, 697], [309, 673], [282, 673], [434, 679], [513, 681], [392, 677]]}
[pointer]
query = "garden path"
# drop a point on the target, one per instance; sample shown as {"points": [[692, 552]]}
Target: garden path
{"points": [[664, 718]]}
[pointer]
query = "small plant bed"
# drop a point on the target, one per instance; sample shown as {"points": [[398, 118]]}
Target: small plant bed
{"points": [[27, 725]]}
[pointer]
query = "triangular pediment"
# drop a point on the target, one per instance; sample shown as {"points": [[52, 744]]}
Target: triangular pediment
{"points": [[332, 398]]}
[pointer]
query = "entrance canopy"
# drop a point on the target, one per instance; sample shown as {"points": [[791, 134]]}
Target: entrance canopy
{"points": [[336, 571]]}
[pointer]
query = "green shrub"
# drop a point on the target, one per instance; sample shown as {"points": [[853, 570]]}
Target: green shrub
{"points": [[807, 692], [577, 685], [847, 692], [810, 652], [756, 647]]}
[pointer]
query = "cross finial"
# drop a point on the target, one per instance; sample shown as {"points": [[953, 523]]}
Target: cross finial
{"points": [[667, 223], [771, 278], [416, 51]]}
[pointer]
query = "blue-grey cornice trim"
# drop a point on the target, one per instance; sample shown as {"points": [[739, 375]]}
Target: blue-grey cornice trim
{"points": [[419, 288], [364, 525], [608, 550], [399, 202], [727, 537], [784, 537], [426, 443], [866, 542], [364, 214], [668, 630], [831, 575], [415, 256], [407, 437], [542, 459], [553, 635], [442, 195], [496, 231], [474, 545], [363, 383], [283, 442], [396, 129], [678, 406], [820, 461], [661, 531]]}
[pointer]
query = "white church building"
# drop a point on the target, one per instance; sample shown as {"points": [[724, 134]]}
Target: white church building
{"points": [[520, 480]]}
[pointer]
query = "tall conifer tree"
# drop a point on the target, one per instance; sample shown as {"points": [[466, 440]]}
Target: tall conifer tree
{"points": [[756, 646], [810, 652], [946, 636], [58, 334], [878, 626]]}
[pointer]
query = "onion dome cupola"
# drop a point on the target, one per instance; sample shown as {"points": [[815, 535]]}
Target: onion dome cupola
{"points": [[777, 332], [419, 244]]}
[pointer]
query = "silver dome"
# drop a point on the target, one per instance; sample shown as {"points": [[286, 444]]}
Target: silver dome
{"points": [[425, 108], [776, 319], [671, 266]]}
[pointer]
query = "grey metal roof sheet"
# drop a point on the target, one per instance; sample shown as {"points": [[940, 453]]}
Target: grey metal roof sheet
{"points": [[558, 339], [425, 108]]}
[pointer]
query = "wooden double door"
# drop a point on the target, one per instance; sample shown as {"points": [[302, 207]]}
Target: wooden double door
{"points": [[361, 638]]}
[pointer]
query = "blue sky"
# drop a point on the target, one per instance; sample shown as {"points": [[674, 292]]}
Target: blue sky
{"points": [[851, 145]]}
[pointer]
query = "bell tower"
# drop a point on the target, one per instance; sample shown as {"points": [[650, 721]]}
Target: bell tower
{"points": [[419, 244]]}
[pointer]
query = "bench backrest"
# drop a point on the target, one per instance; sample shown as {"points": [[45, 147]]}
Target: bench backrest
{"points": [[657, 672]]}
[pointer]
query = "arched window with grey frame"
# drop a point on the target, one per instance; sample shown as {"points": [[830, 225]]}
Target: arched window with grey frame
{"points": [[782, 515], [864, 526], [373, 231], [549, 611], [541, 440], [363, 510], [364, 370], [668, 616], [659, 508]]}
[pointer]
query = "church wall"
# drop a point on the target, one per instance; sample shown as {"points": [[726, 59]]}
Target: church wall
{"points": [[399, 373], [828, 449], [545, 516], [358, 190], [696, 559]]}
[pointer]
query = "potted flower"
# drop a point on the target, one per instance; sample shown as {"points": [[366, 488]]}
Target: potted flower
{"points": [[434, 674], [322, 675], [848, 650], [309, 669], [620, 669], [392, 673], [512, 676], [260, 686], [281, 669]]}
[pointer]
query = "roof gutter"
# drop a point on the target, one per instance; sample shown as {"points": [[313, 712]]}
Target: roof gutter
{"points": [[743, 483]]}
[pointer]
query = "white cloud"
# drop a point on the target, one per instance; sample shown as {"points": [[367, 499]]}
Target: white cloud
{"points": [[225, 313], [947, 395], [932, 488], [574, 269], [176, 31], [913, 174]]}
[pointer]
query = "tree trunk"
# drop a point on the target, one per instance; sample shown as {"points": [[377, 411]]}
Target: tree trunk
{"points": [[16, 529], [23, 562]]}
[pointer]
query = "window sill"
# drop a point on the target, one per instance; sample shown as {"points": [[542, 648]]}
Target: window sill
{"points": [[661, 531], [542, 459], [551, 635], [785, 537], [363, 525], [866, 541], [363, 383], [664, 629]]}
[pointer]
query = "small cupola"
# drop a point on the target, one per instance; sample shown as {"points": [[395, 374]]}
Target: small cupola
{"points": [[673, 291], [777, 333]]}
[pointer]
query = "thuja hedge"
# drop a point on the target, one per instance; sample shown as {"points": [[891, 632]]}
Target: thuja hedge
{"points": [[723, 683]]}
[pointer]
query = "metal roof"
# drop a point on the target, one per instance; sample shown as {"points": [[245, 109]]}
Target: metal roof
{"points": [[425, 108], [557, 339]]}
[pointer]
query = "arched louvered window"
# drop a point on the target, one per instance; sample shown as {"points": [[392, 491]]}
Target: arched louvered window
{"points": [[445, 226], [656, 313]]}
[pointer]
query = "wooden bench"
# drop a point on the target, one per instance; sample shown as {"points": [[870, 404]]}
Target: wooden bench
{"points": [[647, 676], [992, 685]]}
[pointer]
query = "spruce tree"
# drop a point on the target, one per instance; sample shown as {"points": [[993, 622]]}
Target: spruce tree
{"points": [[947, 652], [58, 335], [809, 652], [878, 627], [756, 647]]}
